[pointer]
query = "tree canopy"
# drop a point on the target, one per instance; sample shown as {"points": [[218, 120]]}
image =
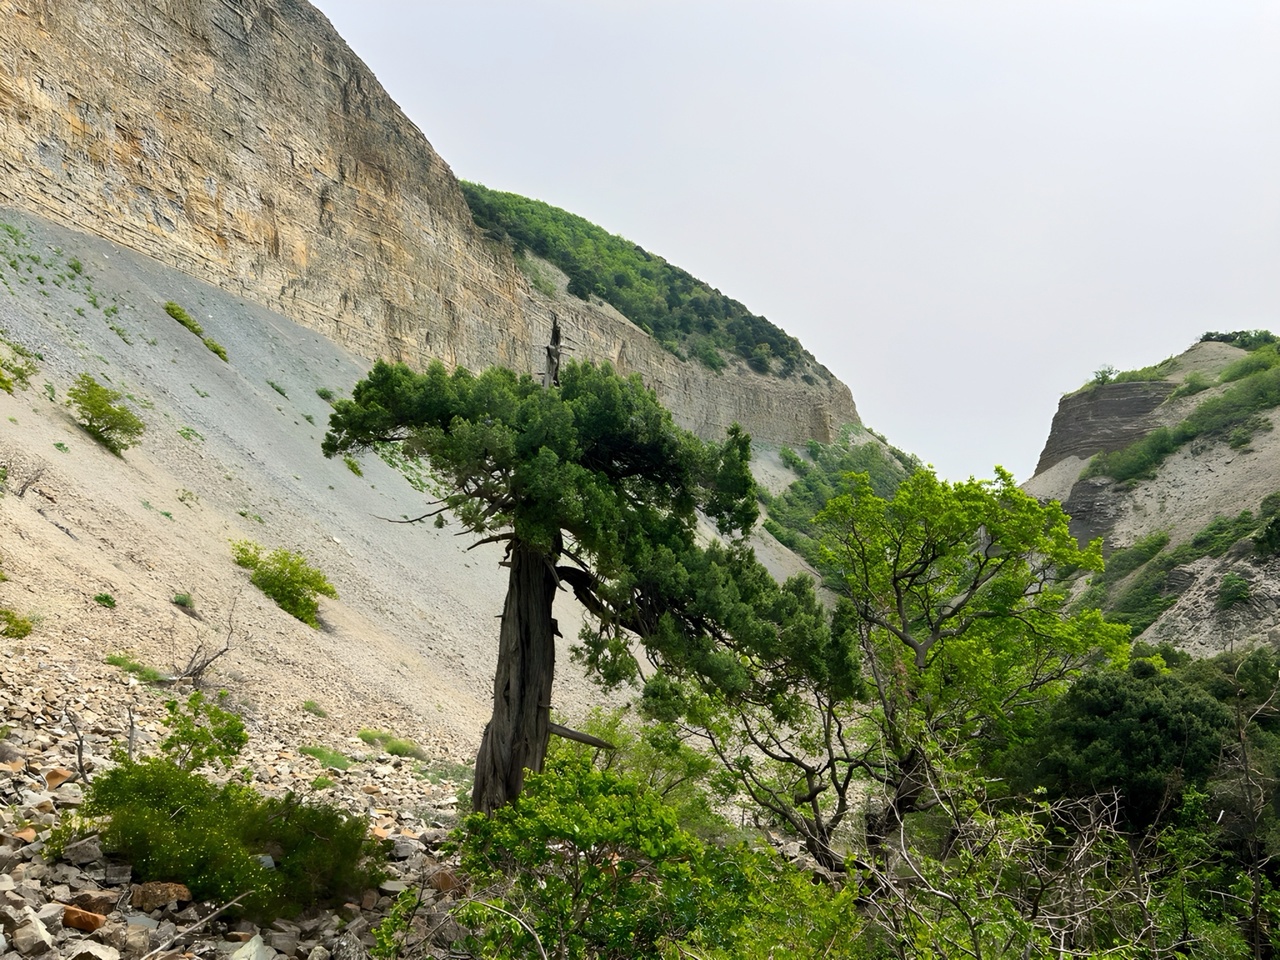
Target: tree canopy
{"points": [[590, 484]]}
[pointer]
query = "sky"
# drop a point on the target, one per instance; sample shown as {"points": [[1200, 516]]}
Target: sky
{"points": [[962, 209]]}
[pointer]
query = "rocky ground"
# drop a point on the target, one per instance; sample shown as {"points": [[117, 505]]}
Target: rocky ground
{"points": [[60, 724]]}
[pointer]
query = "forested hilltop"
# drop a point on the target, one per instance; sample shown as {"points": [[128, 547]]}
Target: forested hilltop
{"points": [[687, 316]]}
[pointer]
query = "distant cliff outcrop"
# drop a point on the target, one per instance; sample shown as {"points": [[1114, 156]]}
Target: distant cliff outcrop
{"points": [[243, 142]]}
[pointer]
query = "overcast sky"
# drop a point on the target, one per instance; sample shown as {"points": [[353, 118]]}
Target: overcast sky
{"points": [[962, 209]]}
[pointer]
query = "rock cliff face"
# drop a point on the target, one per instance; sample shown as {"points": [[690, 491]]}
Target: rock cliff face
{"points": [[1102, 419], [244, 143]]}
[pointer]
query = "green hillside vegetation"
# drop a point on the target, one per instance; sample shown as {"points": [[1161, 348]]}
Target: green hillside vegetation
{"points": [[687, 316], [1135, 588], [1234, 415], [823, 476]]}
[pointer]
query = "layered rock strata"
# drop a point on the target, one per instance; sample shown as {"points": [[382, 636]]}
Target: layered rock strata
{"points": [[243, 142]]}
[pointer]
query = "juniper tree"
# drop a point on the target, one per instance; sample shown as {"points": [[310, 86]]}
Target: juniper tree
{"points": [[591, 486]]}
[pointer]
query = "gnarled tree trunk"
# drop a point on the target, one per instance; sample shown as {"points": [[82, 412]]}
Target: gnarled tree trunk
{"points": [[516, 738]]}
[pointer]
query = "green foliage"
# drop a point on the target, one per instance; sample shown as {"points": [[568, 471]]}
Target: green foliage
{"points": [[113, 425], [201, 731], [1232, 590], [1144, 733], [791, 513], [353, 465], [679, 311], [390, 743], [658, 756], [330, 758], [1193, 383], [129, 665], [104, 600], [313, 708], [325, 394], [171, 823], [184, 600], [596, 866], [1121, 563], [178, 313], [215, 348], [1244, 339], [13, 625], [389, 936], [277, 388], [286, 578], [17, 365]]}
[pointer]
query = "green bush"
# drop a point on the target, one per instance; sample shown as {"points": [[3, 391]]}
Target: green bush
{"points": [[173, 824], [390, 743], [1244, 339], [1232, 590], [184, 318], [201, 731], [129, 665], [1193, 383], [104, 600], [113, 425], [13, 625], [286, 578], [596, 866], [216, 348], [330, 758], [1264, 358]]}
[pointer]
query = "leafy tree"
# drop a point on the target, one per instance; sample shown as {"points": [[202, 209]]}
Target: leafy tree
{"points": [[1140, 732], [112, 424], [964, 628], [951, 633], [589, 485]]}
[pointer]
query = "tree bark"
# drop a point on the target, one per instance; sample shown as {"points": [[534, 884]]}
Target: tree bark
{"points": [[516, 738]]}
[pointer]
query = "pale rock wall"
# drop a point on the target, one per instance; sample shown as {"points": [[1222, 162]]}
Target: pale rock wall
{"points": [[243, 142]]}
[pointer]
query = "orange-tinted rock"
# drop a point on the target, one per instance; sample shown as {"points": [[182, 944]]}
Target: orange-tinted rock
{"points": [[154, 895], [79, 919]]}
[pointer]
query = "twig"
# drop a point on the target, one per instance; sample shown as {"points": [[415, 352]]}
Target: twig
{"points": [[195, 926]]}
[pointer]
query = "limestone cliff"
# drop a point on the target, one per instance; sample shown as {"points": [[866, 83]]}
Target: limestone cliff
{"points": [[243, 142]]}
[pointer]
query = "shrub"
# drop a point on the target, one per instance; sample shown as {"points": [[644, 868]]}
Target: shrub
{"points": [[286, 578], [390, 743], [104, 600], [314, 708], [129, 665], [216, 348], [184, 318], [1193, 383], [1232, 589], [13, 625], [203, 732], [325, 394], [330, 758], [113, 425], [598, 867], [353, 465], [184, 600], [172, 823], [277, 388]]}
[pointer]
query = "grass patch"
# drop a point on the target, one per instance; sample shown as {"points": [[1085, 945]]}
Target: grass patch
{"points": [[277, 388], [178, 313], [216, 348], [13, 625], [131, 666], [314, 708], [325, 394], [353, 466], [390, 743], [330, 758], [105, 600], [184, 600]]}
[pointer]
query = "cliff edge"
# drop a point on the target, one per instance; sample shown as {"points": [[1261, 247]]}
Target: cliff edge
{"points": [[244, 143]]}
